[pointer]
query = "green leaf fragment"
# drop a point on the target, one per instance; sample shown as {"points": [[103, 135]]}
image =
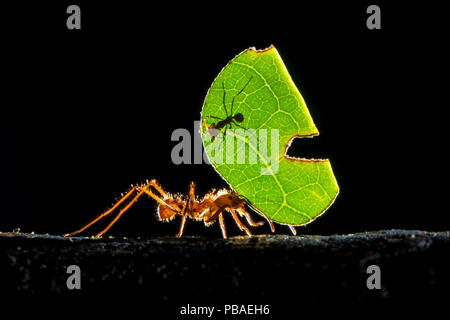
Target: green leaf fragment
{"points": [[251, 155]]}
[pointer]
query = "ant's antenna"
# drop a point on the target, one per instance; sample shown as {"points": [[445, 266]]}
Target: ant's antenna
{"points": [[223, 100], [232, 101]]}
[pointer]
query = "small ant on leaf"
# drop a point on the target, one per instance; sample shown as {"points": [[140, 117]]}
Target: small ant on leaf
{"points": [[211, 207], [214, 128]]}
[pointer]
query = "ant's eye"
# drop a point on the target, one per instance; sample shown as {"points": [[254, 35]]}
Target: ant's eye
{"points": [[230, 197]]}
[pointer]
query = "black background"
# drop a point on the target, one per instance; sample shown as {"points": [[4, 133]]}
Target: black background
{"points": [[86, 113]]}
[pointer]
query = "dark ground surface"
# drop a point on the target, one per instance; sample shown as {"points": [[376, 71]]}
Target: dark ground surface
{"points": [[278, 270]]}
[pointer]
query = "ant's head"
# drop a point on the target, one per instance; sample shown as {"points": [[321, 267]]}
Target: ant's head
{"points": [[236, 200], [238, 117]]}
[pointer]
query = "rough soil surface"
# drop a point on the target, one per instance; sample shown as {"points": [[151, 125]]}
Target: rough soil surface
{"points": [[261, 269]]}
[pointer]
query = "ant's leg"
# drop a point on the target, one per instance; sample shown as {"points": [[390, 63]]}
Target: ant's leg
{"points": [[236, 124], [239, 223], [294, 232], [214, 117], [187, 210], [191, 198], [249, 220], [120, 214], [155, 185], [141, 192], [222, 226], [104, 214], [183, 222], [225, 130], [228, 126], [160, 201], [232, 101], [272, 227], [223, 100]]}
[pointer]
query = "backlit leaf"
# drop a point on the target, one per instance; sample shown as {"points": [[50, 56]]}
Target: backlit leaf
{"points": [[287, 190]]}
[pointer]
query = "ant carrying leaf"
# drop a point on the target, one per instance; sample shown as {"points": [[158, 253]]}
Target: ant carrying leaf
{"points": [[208, 209], [295, 194]]}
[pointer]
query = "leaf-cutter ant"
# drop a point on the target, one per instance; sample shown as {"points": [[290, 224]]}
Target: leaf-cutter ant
{"points": [[230, 119], [208, 209]]}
